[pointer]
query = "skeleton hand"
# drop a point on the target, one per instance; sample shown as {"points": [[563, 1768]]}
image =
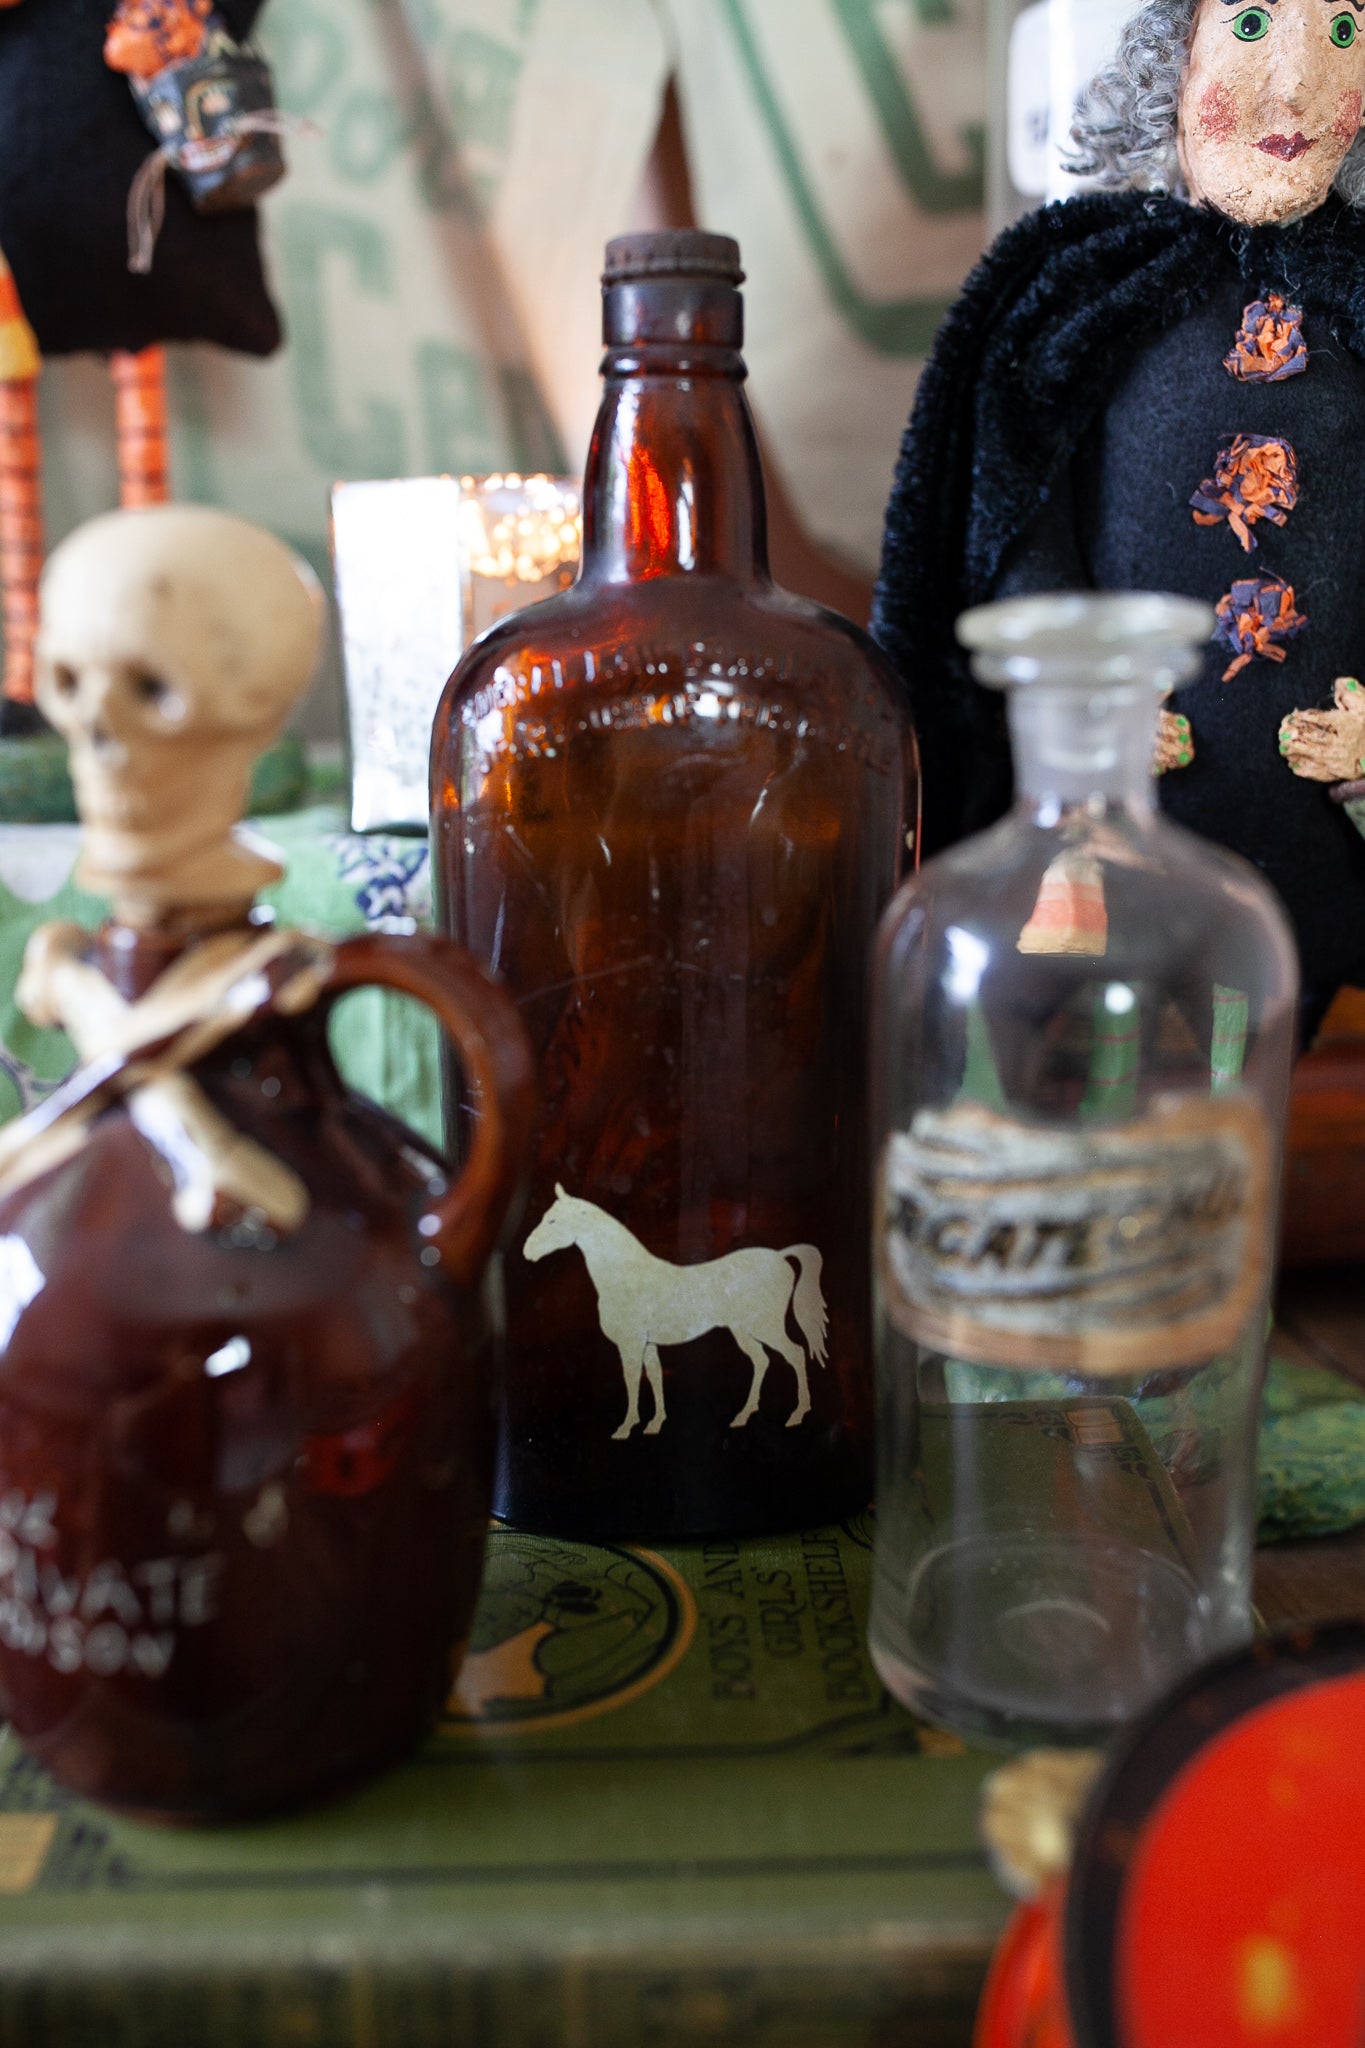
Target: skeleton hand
{"points": [[1328, 746], [1174, 743], [48, 951]]}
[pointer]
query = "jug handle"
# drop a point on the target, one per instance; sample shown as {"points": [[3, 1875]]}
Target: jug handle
{"points": [[499, 1067]]}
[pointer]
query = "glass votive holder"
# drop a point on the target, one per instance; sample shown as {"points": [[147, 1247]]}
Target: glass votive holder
{"points": [[422, 566]]}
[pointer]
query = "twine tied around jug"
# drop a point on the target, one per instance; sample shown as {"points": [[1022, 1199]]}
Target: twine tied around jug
{"points": [[141, 1052]]}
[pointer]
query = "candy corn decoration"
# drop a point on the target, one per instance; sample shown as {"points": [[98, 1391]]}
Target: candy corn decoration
{"points": [[1070, 916], [140, 425], [21, 489]]}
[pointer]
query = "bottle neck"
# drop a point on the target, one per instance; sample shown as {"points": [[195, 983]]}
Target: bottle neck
{"points": [[673, 486], [131, 958], [1077, 746]]}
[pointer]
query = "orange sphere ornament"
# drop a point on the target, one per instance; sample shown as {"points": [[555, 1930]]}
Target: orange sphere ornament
{"points": [[1217, 1896]]}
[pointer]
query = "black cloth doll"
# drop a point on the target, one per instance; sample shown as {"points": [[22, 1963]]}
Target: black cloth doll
{"points": [[73, 143]]}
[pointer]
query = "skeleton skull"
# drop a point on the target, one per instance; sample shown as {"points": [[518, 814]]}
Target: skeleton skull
{"points": [[173, 642]]}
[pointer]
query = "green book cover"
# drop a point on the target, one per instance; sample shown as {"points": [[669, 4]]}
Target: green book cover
{"points": [[670, 1803]]}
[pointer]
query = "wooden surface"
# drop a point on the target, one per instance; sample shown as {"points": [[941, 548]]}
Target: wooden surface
{"points": [[1321, 1318]]}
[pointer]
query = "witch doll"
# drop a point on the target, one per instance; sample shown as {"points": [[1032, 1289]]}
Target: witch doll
{"points": [[1160, 384], [138, 134]]}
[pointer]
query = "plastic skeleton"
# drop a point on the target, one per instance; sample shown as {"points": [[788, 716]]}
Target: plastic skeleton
{"points": [[165, 688]]}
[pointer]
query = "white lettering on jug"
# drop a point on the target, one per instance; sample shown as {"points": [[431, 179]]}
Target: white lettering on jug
{"points": [[643, 1302], [106, 1620]]}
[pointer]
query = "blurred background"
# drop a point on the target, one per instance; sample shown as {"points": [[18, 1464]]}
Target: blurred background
{"points": [[435, 250]]}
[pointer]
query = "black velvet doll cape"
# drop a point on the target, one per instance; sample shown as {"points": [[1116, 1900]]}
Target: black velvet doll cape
{"points": [[73, 142], [1022, 370]]}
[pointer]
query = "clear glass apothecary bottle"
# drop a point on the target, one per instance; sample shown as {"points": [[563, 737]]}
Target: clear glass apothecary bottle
{"points": [[1083, 1031]]}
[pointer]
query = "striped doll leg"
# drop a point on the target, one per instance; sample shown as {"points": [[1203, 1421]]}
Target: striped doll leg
{"points": [[21, 490], [21, 530], [140, 425]]}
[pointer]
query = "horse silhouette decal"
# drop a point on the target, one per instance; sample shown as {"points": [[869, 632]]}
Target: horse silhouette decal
{"points": [[643, 1302]]}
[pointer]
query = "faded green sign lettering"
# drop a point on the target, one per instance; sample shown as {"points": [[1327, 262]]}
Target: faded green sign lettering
{"points": [[311, 238], [904, 327]]}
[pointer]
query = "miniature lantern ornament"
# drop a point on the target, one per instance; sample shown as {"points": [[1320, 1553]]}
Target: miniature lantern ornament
{"points": [[1150, 386], [422, 566], [174, 644], [208, 101]]}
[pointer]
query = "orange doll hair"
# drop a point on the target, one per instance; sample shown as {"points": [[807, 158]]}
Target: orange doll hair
{"points": [[144, 36]]}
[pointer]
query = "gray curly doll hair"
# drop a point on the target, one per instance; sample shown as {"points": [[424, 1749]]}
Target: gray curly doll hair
{"points": [[1126, 119]]}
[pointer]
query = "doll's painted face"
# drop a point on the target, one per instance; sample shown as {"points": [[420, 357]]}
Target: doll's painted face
{"points": [[1270, 103]]}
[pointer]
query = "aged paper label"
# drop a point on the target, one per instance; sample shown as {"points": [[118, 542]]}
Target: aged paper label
{"points": [[1109, 1251]]}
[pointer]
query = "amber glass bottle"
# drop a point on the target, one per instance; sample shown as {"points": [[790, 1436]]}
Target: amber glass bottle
{"points": [[667, 809]]}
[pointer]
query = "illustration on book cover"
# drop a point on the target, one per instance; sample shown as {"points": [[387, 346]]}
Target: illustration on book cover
{"points": [[643, 1302]]}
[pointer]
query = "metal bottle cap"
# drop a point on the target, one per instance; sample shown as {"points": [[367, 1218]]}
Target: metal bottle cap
{"points": [[672, 252]]}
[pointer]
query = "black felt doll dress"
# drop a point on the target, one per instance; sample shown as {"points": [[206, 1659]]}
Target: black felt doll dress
{"points": [[72, 143], [1089, 420]]}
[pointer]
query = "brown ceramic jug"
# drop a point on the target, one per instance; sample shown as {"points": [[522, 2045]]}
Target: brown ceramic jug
{"points": [[246, 1386]]}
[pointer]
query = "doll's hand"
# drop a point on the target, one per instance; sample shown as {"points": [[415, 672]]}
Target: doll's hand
{"points": [[1174, 743], [1328, 746]]}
